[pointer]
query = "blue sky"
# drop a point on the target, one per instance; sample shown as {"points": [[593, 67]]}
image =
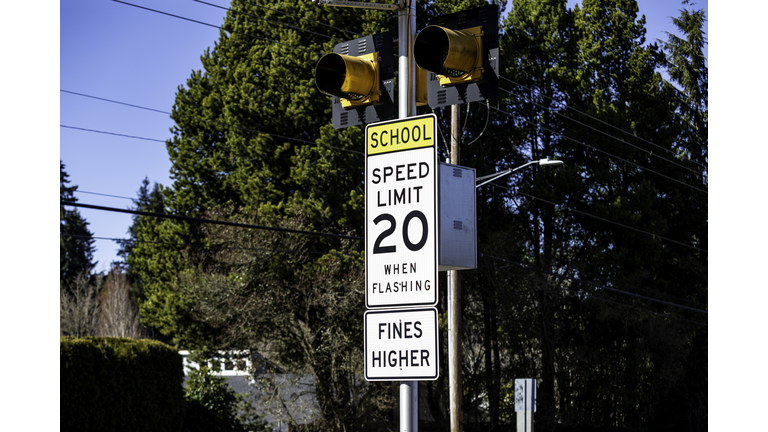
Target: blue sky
{"points": [[126, 54]]}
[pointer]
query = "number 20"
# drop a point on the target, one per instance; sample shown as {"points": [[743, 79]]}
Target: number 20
{"points": [[379, 249]]}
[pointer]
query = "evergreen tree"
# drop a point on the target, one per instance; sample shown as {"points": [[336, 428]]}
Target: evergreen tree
{"points": [[687, 66], [75, 241], [253, 136], [253, 132], [540, 51], [568, 72], [150, 201], [685, 405]]}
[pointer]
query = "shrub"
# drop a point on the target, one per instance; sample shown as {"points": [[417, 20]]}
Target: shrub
{"points": [[114, 384]]}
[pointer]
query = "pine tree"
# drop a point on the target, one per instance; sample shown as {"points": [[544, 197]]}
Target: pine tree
{"points": [[252, 132], [253, 139], [76, 241], [685, 405], [150, 201], [541, 51], [687, 66], [564, 70]]}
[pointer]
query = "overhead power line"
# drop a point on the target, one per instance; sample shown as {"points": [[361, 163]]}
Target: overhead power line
{"points": [[596, 285], [602, 151], [599, 218], [208, 121], [596, 119], [615, 138], [644, 310], [352, 151], [267, 20], [211, 221], [112, 133], [203, 246], [594, 297], [215, 26], [115, 102], [106, 195]]}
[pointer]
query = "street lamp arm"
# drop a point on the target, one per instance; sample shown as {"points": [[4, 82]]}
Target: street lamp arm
{"points": [[498, 175], [501, 174]]}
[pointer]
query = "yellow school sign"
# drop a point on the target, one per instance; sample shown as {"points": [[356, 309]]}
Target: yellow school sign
{"points": [[407, 134]]}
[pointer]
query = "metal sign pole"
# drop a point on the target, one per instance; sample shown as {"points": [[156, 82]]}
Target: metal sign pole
{"points": [[406, 29], [525, 403], [406, 33]]}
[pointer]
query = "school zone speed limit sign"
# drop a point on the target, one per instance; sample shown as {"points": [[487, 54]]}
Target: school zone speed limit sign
{"points": [[401, 213]]}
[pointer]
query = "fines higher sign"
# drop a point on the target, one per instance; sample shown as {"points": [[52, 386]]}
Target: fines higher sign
{"points": [[401, 213], [401, 345]]}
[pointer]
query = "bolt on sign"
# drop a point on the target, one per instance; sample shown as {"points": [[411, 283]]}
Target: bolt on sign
{"points": [[401, 213]]}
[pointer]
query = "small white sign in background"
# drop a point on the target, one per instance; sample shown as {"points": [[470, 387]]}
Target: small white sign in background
{"points": [[525, 394]]}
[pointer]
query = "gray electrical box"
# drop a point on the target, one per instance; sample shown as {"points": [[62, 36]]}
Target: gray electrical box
{"points": [[457, 224]]}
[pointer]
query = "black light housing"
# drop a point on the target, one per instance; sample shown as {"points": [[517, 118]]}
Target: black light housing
{"points": [[461, 53], [359, 76]]}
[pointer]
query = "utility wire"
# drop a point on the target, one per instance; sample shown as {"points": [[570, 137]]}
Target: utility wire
{"points": [[602, 219], [204, 246], [654, 291], [602, 151], [594, 297], [596, 119], [115, 102], [215, 26], [617, 139], [267, 20], [639, 296], [595, 284], [299, 17], [106, 195], [494, 184], [111, 133], [152, 139], [644, 310], [200, 220], [209, 121]]}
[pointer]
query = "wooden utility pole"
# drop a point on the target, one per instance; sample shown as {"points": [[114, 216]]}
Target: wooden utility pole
{"points": [[454, 305]]}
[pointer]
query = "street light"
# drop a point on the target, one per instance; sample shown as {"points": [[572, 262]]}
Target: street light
{"points": [[498, 175]]}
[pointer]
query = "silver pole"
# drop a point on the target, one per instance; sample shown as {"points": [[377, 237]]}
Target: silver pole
{"points": [[411, 59], [412, 112], [406, 102], [406, 32], [414, 405], [525, 421], [406, 408]]}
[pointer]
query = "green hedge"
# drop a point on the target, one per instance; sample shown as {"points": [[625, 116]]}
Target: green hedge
{"points": [[112, 384]]}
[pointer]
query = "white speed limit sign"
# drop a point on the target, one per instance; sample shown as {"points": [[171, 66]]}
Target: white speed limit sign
{"points": [[401, 213]]}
